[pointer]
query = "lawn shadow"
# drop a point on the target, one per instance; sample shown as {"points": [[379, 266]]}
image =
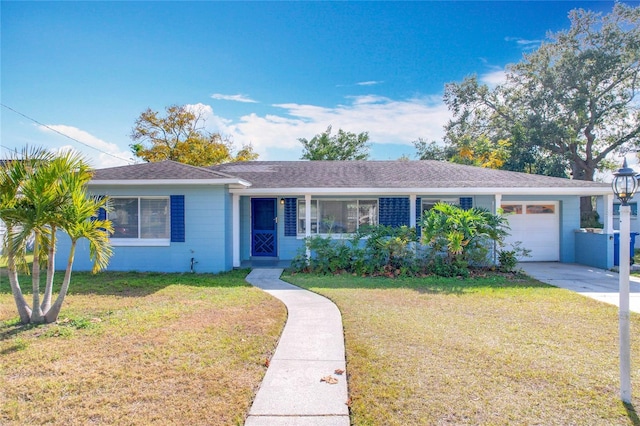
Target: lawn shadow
{"points": [[631, 413], [130, 284], [8, 331]]}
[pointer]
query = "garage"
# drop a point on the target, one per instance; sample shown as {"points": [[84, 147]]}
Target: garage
{"points": [[536, 225]]}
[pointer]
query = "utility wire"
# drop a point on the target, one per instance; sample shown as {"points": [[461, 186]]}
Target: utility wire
{"points": [[66, 136]]}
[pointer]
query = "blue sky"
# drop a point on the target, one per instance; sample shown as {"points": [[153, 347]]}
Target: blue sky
{"points": [[265, 73]]}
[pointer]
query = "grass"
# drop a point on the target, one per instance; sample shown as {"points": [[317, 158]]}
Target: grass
{"points": [[3, 262], [491, 351], [139, 349]]}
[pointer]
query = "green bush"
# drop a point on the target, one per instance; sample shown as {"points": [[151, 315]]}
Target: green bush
{"points": [[454, 240]]}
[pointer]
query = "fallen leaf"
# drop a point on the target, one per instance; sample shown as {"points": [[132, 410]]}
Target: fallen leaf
{"points": [[348, 403], [266, 362], [339, 372], [329, 379]]}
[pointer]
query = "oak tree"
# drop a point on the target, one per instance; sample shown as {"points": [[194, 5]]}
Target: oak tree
{"points": [[571, 104], [341, 146], [180, 136]]}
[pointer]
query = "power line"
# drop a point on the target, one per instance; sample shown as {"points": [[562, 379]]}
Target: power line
{"points": [[65, 135]]}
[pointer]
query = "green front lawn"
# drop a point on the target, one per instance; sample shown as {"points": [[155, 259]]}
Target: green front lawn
{"points": [[139, 349], [492, 351]]}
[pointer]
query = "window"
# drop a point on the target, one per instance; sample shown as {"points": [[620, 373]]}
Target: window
{"points": [[634, 209], [541, 209], [140, 218], [337, 216], [428, 203], [511, 208]]}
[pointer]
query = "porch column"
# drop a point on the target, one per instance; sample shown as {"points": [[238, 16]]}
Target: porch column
{"points": [[307, 219], [607, 214], [497, 202], [235, 214], [412, 210]]}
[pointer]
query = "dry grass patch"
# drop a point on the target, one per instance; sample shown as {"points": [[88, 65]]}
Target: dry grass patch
{"points": [[492, 351], [139, 349]]}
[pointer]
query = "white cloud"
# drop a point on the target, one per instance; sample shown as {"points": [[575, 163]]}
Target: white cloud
{"points": [[369, 83], [386, 120], [524, 43], [494, 78], [236, 98], [104, 154]]}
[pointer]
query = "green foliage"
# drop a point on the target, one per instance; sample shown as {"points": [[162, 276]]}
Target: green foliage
{"points": [[343, 146], [508, 259], [396, 251], [433, 150], [180, 136], [463, 236], [565, 107], [590, 219], [42, 193], [372, 250]]}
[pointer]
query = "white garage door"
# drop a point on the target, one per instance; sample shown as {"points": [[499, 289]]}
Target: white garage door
{"points": [[537, 226]]}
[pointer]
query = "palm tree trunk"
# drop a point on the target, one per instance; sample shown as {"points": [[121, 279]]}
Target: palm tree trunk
{"points": [[52, 314], [36, 313], [46, 301], [23, 308]]}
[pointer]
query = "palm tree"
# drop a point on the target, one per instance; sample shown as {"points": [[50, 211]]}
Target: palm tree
{"points": [[44, 193], [464, 235]]}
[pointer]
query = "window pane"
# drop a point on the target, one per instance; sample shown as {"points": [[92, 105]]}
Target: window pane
{"points": [[428, 205], [634, 209], [367, 212], [541, 209], [333, 217], [512, 208], [302, 218], [124, 217], [154, 220]]}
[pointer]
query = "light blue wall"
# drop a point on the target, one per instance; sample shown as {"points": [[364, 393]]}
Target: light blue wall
{"points": [[594, 249], [207, 213]]}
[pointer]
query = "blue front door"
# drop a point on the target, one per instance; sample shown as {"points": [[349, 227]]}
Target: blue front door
{"points": [[264, 227]]}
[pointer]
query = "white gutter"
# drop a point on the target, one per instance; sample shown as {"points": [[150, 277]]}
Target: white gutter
{"points": [[582, 191]]}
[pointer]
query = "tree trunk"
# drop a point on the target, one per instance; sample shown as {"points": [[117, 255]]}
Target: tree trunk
{"points": [[36, 313], [52, 314], [583, 172], [21, 304], [46, 301]]}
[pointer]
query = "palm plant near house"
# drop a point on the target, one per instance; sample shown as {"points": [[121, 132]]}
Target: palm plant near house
{"points": [[462, 236], [42, 193]]}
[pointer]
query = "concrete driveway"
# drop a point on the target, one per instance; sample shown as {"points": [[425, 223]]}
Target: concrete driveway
{"points": [[596, 283]]}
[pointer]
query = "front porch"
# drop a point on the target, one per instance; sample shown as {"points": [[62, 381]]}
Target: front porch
{"points": [[269, 262]]}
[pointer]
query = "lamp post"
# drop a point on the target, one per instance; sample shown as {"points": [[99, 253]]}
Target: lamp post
{"points": [[624, 187]]}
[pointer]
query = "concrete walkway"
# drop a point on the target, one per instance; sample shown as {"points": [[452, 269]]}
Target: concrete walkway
{"points": [[311, 347], [591, 282]]}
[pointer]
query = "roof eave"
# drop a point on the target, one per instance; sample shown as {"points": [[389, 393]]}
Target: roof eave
{"points": [[581, 191], [235, 183]]}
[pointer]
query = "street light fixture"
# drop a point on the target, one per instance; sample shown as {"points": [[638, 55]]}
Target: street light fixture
{"points": [[624, 186]]}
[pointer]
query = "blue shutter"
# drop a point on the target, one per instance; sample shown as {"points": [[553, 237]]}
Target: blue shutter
{"points": [[466, 203], [394, 211], [177, 218], [102, 213], [290, 207], [418, 215]]}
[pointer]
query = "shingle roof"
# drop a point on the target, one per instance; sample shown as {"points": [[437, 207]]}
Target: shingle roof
{"points": [[164, 170], [387, 174]]}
